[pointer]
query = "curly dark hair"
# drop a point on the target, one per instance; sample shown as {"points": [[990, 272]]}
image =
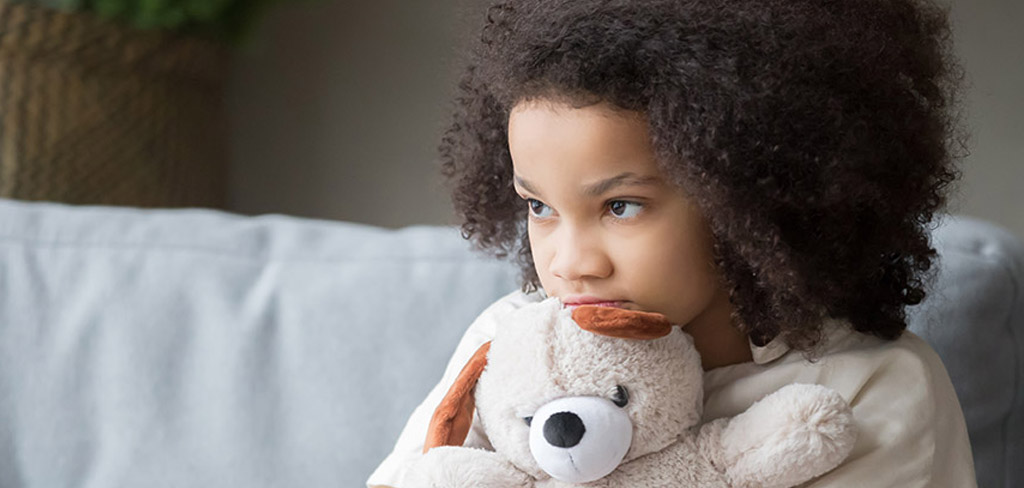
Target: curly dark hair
{"points": [[818, 138]]}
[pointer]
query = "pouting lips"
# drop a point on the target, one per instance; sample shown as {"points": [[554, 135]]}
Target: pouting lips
{"points": [[571, 305]]}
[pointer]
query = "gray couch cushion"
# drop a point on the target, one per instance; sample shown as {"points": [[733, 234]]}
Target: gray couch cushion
{"points": [[198, 348], [192, 348]]}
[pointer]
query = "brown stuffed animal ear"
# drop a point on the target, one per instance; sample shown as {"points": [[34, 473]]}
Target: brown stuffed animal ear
{"points": [[621, 323], [451, 421]]}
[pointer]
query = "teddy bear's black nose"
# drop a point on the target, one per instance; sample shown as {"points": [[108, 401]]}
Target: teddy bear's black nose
{"points": [[564, 429]]}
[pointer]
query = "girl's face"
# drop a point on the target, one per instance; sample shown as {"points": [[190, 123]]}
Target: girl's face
{"points": [[605, 224]]}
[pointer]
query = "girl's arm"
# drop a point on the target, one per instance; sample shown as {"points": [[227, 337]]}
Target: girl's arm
{"points": [[911, 429]]}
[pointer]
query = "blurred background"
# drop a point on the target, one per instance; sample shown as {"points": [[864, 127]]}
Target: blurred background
{"points": [[333, 109]]}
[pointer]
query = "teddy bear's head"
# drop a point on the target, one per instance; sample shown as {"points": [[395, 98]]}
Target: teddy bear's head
{"points": [[574, 393]]}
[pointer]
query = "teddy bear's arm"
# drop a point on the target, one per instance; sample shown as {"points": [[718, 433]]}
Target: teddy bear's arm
{"points": [[465, 467], [791, 436]]}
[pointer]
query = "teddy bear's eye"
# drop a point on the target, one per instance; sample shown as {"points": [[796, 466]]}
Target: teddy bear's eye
{"points": [[621, 396], [528, 420]]}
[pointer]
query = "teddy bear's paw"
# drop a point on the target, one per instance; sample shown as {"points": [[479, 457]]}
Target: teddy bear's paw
{"points": [[463, 467], [554, 483], [790, 436]]}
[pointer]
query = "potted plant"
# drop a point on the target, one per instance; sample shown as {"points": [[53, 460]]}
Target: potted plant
{"points": [[117, 101]]}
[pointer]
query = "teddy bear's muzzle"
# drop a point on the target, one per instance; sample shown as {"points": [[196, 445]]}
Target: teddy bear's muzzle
{"points": [[580, 439]]}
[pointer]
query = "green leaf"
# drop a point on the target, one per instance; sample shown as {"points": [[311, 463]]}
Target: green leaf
{"points": [[110, 8], [201, 11], [232, 21]]}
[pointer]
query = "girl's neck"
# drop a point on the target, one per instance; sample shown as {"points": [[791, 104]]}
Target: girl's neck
{"points": [[718, 341]]}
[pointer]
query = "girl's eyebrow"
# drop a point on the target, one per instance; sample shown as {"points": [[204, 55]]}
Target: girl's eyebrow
{"points": [[623, 179], [603, 186]]}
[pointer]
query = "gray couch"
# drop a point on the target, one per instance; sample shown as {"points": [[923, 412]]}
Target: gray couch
{"points": [[195, 348]]}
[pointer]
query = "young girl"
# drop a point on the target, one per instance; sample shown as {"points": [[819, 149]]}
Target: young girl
{"points": [[761, 172]]}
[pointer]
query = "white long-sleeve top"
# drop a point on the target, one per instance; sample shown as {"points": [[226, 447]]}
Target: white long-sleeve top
{"points": [[911, 430]]}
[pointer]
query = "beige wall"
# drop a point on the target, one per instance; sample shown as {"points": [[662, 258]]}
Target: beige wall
{"points": [[990, 41], [338, 106]]}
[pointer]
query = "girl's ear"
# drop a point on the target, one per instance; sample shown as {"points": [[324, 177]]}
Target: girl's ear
{"points": [[620, 323], [453, 417]]}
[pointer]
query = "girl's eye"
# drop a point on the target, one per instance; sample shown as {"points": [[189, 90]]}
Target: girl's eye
{"points": [[538, 209], [623, 209]]}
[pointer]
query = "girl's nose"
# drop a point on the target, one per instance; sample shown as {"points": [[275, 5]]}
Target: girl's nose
{"points": [[578, 256]]}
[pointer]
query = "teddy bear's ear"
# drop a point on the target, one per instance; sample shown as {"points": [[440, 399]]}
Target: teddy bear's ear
{"points": [[454, 416], [621, 323]]}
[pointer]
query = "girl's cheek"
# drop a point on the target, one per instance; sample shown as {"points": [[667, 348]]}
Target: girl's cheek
{"points": [[539, 253]]}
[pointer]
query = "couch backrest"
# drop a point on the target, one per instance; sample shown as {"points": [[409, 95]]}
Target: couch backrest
{"points": [[974, 319], [168, 348]]}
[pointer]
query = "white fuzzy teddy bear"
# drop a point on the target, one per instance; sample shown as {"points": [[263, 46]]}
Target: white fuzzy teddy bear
{"points": [[607, 397]]}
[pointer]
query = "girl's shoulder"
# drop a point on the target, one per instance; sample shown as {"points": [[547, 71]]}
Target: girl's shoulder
{"points": [[906, 410], [851, 362]]}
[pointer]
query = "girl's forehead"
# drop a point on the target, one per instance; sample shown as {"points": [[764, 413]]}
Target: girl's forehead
{"points": [[593, 147], [543, 133]]}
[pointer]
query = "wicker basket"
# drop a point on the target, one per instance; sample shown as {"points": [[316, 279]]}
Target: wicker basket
{"points": [[95, 112]]}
